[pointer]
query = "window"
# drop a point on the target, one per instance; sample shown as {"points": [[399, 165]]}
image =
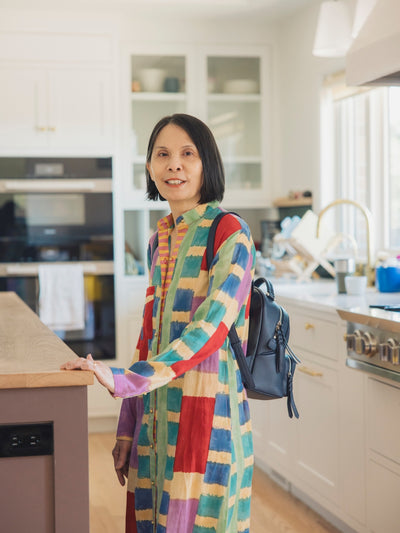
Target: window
{"points": [[363, 135]]}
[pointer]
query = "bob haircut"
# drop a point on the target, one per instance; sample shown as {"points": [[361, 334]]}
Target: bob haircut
{"points": [[213, 186]]}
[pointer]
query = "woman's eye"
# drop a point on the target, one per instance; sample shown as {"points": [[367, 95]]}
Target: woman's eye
{"points": [[188, 152], [162, 154]]}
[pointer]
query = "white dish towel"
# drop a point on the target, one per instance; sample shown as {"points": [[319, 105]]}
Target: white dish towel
{"points": [[62, 297]]}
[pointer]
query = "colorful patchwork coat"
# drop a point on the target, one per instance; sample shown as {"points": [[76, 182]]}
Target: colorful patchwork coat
{"points": [[186, 411]]}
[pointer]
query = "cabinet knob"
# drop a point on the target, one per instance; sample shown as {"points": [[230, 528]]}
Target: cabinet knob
{"points": [[308, 326], [40, 128], [51, 128]]}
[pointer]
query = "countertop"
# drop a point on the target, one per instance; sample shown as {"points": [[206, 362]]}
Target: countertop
{"points": [[30, 353], [322, 295]]}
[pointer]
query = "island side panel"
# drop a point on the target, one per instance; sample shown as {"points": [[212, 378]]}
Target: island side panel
{"points": [[66, 407]]}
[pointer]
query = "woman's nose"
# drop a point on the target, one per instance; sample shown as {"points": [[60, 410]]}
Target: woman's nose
{"points": [[175, 163]]}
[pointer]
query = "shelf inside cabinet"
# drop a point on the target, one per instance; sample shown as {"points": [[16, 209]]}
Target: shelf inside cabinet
{"points": [[159, 97]]}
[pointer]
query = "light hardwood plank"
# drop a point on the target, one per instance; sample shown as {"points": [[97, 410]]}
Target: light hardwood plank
{"points": [[273, 509]]}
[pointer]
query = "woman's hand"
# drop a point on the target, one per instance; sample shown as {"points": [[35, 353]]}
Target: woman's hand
{"points": [[102, 372], [121, 454]]}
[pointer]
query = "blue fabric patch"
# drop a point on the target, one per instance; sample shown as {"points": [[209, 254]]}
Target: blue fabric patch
{"points": [[217, 473], [220, 440], [176, 330], [143, 368], [144, 526], [164, 503], [231, 285], [117, 370], [143, 499], [222, 405], [183, 300], [240, 255]]}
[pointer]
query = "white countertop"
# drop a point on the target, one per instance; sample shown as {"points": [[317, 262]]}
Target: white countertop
{"points": [[322, 295]]}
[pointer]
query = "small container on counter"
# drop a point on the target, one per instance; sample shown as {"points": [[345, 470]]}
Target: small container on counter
{"points": [[387, 275], [343, 267]]}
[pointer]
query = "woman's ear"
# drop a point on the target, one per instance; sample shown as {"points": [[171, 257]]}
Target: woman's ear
{"points": [[149, 170]]}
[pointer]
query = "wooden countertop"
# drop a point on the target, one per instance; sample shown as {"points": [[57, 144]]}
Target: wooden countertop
{"points": [[30, 353]]}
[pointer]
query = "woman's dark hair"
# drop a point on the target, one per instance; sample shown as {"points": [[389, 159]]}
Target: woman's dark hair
{"points": [[213, 186]]}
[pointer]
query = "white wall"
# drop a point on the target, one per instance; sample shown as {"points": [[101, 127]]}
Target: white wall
{"points": [[300, 76]]}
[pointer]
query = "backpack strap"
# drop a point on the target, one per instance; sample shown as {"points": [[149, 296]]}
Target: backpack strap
{"points": [[236, 343]]}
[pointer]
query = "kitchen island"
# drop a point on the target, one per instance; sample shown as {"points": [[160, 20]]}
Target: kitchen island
{"points": [[43, 427]]}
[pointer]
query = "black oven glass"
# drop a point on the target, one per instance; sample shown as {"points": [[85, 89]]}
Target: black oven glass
{"points": [[56, 227]]}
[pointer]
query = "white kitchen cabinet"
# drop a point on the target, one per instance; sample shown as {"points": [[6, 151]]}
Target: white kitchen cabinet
{"points": [[321, 456], [224, 86], [383, 469], [56, 109], [317, 451]]}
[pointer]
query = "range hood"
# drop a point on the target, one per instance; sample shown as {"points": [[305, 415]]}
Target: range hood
{"points": [[374, 56]]}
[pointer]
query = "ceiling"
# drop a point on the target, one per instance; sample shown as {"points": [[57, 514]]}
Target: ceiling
{"points": [[274, 9]]}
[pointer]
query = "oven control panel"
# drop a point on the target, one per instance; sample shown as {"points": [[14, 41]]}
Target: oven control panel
{"points": [[379, 347], [366, 343]]}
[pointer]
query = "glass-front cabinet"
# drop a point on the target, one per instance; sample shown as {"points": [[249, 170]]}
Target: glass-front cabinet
{"points": [[225, 87], [158, 88], [234, 115]]}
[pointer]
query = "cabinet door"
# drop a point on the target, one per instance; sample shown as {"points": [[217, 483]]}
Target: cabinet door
{"points": [[157, 84], [23, 120], [236, 115], [80, 109], [317, 454]]}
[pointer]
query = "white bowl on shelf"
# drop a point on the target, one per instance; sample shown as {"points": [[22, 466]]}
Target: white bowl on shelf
{"points": [[241, 86], [152, 79]]}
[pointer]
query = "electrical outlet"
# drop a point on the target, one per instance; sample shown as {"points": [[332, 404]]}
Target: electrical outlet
{"points": [[19, 440]]}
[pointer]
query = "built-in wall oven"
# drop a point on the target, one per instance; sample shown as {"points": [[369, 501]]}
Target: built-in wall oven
{"points": [[59, 210]]}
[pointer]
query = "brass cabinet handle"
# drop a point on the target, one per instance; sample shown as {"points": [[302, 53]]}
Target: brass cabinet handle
{"points": [[308, 325], [40, 128], [310, 371], [51, 128]]}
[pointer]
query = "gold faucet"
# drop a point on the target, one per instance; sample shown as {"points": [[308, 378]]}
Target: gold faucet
{"points": [[369, 270]]}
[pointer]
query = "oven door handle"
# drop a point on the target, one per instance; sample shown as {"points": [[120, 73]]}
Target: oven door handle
{"points": [[373, 369], [64, 185], [96, 267]]}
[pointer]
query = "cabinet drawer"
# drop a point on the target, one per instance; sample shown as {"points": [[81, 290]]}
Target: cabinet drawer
{"points": [[314, 335], [383, 410]]}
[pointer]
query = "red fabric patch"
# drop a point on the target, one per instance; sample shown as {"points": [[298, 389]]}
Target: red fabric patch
{"points": [[228, 225], [130, 517], [194, 434], [147, 327], [212, 345]]}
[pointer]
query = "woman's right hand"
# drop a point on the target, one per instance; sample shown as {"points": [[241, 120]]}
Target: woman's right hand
{"points": [[121, 454]]}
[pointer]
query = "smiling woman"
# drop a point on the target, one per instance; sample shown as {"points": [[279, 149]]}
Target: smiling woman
{"points": [[184, 438]]}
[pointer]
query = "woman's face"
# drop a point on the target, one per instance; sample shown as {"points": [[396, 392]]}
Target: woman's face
{"points": [[176, 169]]}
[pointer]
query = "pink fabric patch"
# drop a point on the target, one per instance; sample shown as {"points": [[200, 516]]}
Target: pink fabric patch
{"points": [[181, 516]]}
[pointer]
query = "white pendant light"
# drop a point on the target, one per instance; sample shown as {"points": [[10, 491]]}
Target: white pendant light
{"points": [[363, 9], [333, 35]]}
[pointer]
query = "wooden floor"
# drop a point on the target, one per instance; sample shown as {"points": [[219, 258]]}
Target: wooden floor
{"points": [[273, 509]]}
